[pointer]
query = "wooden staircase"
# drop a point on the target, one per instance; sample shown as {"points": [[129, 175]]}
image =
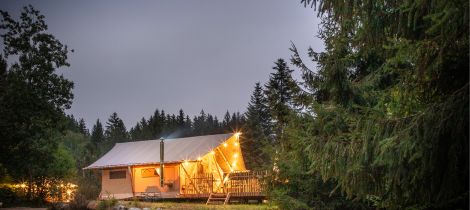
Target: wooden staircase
{"points": [[218, 199]]}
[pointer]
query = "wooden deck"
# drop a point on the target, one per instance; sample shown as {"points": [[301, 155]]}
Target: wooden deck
{"points": [[238, 184]]}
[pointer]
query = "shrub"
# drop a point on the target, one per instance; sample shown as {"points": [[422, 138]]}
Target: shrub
{"points": [[79, 203], [106, 204], [8, 197]]}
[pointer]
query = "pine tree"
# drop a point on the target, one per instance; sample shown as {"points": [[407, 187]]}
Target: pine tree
{"points": [[386, 109], [188, 125], [97, 133], [280, 92], [256, 130], [136, 132], [115, 129], [82, 127], [180, 119], [226, 122]]}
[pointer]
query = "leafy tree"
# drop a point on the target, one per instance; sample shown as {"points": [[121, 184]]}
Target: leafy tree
{"points": [[32, 98]]}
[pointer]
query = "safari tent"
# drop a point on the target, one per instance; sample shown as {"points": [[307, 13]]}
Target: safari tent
{"points": [[193, 167]]}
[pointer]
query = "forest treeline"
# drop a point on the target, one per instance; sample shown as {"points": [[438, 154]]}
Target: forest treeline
{"points": [[381, 122], [103, 136]]}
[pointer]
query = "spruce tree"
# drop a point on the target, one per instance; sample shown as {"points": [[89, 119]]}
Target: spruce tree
{"points": [[97, 133], [82, 127], [226, 122], [256, 130], [280, 92], [386, 111], [180, 119], [115, 129]]}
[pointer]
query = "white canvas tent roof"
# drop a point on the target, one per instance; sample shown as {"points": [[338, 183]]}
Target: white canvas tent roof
{"points": [[148, 152]]}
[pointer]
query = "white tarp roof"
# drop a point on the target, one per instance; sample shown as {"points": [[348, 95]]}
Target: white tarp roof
{"points": [[148, 152]]}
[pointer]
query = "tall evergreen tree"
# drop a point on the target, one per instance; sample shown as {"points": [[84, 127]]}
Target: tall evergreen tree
{"points": [[97, 133], [256, 130], [82, 128], [280, 92], [115, 129], [386, 115], [226, 122], [180, 118]]}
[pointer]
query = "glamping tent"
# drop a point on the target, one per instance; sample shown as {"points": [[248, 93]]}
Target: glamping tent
{"points": [[192, 167]]}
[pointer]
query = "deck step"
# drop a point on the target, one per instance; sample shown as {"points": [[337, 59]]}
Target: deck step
{"points": [[218, 198]]}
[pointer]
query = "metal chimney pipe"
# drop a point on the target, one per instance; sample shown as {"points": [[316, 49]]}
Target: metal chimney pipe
{"points": [[162, 155]]}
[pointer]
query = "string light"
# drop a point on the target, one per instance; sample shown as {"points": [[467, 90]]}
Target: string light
{"points": [[225, 144], [235, 155], [236, 144], [186, 163], [199, 158], [213, 152]]}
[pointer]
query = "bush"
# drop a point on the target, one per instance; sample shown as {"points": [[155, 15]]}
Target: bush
{"points": [[79, 202], [8, 197], [135, 203], [106, 204]]}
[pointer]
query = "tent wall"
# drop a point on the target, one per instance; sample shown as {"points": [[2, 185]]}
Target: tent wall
{"points": [[118, 188], [145, 183], [229, 155]]}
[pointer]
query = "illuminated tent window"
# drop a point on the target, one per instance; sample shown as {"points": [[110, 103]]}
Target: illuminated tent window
{"points": [[117, 174], [148, 172]]}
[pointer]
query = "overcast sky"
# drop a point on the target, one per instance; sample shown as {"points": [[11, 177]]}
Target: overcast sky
{"points": [[132, 57]]}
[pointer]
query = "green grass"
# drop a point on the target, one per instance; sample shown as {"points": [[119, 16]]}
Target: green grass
{"points": [[197, 206]]}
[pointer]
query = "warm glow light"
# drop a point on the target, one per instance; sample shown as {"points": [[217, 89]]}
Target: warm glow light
{"points": [[238, 134], [186, 163], [234, 164], [236, 144], [199, 158], [22, 185], [225, 144], [69, 192], [61, 185], [235, 155], [213, 152]]}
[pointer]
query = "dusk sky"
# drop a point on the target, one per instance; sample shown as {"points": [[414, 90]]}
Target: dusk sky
{"points": [[132, 57]]}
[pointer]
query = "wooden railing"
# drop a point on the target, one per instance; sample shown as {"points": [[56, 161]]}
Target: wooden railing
{"points": [[238, 183], [199, 184], [246, 183]]}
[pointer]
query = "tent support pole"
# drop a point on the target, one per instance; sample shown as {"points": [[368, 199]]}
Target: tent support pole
{"points": [[131, 175]]}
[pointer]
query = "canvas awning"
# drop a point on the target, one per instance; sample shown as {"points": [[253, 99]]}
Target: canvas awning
{"points": [[148, 152]]}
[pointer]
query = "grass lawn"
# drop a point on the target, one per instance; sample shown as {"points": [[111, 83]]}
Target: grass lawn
{"points": [[198, 206]]}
